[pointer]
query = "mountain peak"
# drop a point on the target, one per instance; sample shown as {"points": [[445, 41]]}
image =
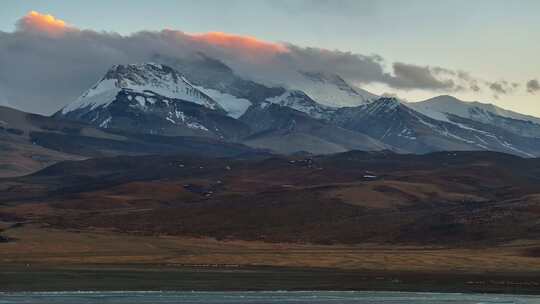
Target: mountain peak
{"points": [[330, 89], [123, 70], [148, 79], [142, 74], [300, 101]]}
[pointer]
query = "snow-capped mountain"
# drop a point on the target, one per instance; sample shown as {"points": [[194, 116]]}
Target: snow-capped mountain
{"points": [[398, 125], [450, 109], [146, 79], [475, 110], [315, 94], [152, 98], [330, 89], [213, 77], [212, 74]]}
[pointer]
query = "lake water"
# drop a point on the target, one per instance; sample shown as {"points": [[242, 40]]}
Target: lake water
{"points": [[261, 297]]}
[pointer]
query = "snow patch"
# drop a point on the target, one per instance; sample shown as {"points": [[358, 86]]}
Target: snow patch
{"points": [[330, 90], [141, 100], [234, 106], [101, 94], [105, 123], [196, 125]]}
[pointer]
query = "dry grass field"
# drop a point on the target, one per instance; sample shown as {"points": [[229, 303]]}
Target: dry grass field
{"points": [[45, 246]]}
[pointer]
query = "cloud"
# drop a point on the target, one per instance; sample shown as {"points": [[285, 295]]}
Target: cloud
{"points": [[533, 86], [498, 88], [501, 87], [353, 67], [410, 76], [473, 85], [47, 63], [42, 23], [240, 43]]}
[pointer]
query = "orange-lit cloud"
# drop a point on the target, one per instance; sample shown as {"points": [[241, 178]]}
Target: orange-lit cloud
{"points": [[246, 45], [42, 23]]}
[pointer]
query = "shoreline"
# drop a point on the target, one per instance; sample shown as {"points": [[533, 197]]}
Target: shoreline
{"points": [[155, 278]]}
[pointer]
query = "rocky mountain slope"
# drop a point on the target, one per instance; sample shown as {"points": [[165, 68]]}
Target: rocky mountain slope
{"points": [[284, 129], [29, 142], [397, 124]]}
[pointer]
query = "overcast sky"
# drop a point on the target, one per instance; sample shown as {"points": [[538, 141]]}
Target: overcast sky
{"points": [[485, 50]]}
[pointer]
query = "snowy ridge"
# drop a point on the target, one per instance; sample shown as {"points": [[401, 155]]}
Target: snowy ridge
{"points": [[299, 101], [331, 90], [439, 108], [148, 79]]}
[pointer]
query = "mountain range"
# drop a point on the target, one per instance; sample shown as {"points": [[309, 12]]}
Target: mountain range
{"points": [[158, 108], [204, 97]]}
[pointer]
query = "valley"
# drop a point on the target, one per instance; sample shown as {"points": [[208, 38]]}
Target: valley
{"points": [[233, 181]]}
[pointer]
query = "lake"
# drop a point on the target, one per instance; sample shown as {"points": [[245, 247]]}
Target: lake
{"points": [[260, 298]]}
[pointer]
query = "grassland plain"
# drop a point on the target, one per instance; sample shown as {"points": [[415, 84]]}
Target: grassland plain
{"points": [[50, 259]]}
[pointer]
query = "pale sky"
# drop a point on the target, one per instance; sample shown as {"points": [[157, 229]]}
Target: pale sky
{"points": [[492, 40]]}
